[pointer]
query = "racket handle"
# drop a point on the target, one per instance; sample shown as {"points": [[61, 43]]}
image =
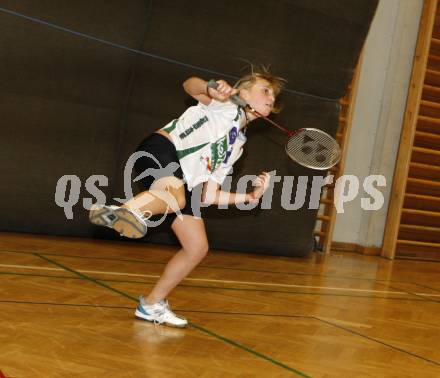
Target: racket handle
{"points": [[236, 99]]}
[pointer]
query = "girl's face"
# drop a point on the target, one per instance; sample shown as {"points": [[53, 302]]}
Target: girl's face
{"points": [[260, 97]]}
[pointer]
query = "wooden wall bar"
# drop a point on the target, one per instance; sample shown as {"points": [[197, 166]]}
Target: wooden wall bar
{"points": [[327, 218], [413, 221]]}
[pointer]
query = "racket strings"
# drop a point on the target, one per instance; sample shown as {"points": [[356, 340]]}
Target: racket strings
{"points": [[313, 148]]}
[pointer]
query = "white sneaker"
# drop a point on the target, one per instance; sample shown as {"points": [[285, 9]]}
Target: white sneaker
{"points": [[125, 222], [159, 313]]}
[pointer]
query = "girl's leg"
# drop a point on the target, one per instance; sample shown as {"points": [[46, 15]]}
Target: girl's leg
{"points": [[192, 236], [166, 195]]}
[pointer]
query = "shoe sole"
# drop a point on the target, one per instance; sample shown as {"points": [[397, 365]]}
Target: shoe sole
{"points": [[129, 225], [126, 223], [138, 315], [97, 215]]}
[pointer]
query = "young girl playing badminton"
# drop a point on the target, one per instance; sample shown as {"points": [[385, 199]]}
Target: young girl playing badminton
{"points": [[199, 147]]}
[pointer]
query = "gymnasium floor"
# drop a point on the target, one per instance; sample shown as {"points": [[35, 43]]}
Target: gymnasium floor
{"points": [[67, 305]]}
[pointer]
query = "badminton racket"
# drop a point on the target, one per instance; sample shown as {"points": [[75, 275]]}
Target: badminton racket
{"points": [[309, 147]]}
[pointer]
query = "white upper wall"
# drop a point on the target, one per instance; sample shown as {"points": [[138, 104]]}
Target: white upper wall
{"points": [[378, 114]]}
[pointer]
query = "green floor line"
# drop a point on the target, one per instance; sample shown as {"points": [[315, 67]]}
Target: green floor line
{"points": [[427, 287], [377, 341], [38, 275], [67, 304], [240, 314], [206, 266], [241, 346], [86, 277], [425, 298], [419, 297], [226, 340], [180, 309], [312, 317], [223, 288]]}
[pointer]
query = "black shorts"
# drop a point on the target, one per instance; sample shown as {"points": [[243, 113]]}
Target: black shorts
{"points": [[163, 152]]}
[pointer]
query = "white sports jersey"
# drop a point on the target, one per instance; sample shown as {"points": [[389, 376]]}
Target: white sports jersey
{"points": [[208, 141]]}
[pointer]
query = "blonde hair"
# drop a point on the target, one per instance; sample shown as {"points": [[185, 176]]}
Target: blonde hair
{"points": [[261, 72]]}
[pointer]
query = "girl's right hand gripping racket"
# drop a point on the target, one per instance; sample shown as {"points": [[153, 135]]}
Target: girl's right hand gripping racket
{"points": [[309, 147]]}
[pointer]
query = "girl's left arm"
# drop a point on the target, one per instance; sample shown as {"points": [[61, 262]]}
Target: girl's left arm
{"points": [[213, 195]]}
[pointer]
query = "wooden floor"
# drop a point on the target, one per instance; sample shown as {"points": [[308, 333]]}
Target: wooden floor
{"points": [[66, 310]]}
